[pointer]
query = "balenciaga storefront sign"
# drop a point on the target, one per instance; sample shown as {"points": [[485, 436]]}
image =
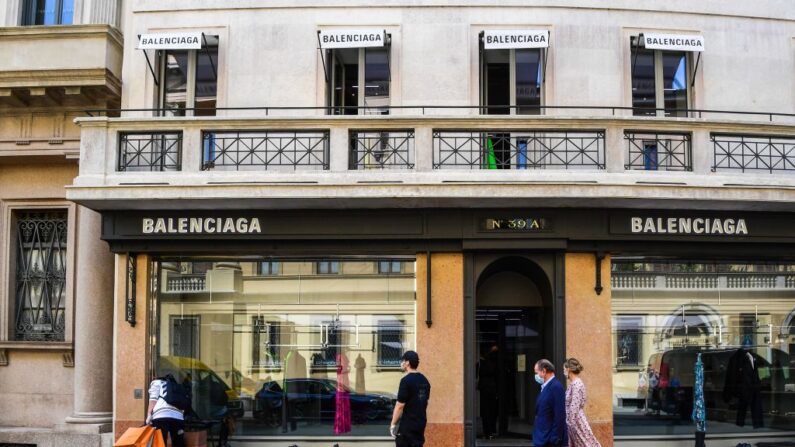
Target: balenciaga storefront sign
{"points": [[508, 39], [351, 38]]}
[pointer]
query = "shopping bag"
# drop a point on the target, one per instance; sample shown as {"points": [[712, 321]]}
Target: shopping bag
{"points": [[146, 436]]}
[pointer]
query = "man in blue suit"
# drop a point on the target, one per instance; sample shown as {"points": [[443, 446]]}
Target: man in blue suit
{"points": [[549, 428]]}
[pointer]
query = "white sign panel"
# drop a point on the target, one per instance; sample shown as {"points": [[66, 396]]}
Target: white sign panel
{"points": [[673, 42], [507, 39], [352, 38], [170, 41]]}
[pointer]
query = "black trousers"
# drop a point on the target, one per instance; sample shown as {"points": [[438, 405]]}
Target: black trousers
{"points": [[488, 413], [750, 398], [410, 439], [174, 428]]}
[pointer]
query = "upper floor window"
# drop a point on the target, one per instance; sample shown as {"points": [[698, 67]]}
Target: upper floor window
{"points": [[358, 71], [48, 12], [189, 79], [387, 267], [512, 71], [327, 267], [270, 268], [661, 74]]}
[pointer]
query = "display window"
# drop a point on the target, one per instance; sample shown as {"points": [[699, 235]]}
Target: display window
{"points": [[285, 347], [738, 316]]}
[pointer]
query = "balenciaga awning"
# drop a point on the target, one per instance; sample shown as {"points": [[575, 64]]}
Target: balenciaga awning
{"points": [[693, 43], [350, 38], [514, 39], [171, 41]]}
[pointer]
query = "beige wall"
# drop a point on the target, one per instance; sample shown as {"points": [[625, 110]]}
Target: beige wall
{"points": [[588, 327], [35, 383], [441, 347]]}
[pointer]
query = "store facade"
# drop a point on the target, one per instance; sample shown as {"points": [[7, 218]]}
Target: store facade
{"points": [[288, 324]]}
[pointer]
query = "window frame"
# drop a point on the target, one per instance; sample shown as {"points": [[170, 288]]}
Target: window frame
{"points": [[659, 79], [27, 13], [8, 261], [330, 56], [161, 56], [483, 79]]}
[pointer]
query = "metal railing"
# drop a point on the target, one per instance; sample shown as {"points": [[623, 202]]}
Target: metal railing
{"points": [[150, 151], [387, 149], [434, 109], [753, 153], [266, 150], [657, 151], [518, 149]]}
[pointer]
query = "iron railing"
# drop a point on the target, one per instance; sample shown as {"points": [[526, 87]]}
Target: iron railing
{"points": [[435, 109], [277, 150], [150, 151], [382, 149], [41, 259], [518, 149], [657, 151], [753, 153]]}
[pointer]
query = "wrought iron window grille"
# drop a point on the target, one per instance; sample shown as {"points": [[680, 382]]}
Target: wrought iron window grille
{"points": [[378, 149], [151, 151], [753, 153], [41, 276], [518, 149], [657, 151], [266, 150]]}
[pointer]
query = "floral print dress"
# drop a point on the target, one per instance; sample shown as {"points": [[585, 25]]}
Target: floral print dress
{"points": [[580, 434]]}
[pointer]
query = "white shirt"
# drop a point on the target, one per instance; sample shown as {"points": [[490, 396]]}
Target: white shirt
{"points": [[162, 408]]}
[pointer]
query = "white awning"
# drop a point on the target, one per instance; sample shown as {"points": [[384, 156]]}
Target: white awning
{"points": [[511, 39], [673, 42], [351, 38], [170, 41]]}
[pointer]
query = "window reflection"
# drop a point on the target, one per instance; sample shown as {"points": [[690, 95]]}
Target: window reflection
{"points": [[734, 314], [675, 83], [312, 350]]}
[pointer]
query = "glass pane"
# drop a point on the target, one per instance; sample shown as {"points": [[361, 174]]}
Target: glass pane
{"points": [[738, 316], [175, 82], [67, 11], [643, 87], [299, 354], [45, 12], [206, 81], [498, 82], [376, 80], [345, 96], [528, 81], [675, 83]]}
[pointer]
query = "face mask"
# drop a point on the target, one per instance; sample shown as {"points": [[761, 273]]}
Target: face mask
{"points": [[539, 379]]}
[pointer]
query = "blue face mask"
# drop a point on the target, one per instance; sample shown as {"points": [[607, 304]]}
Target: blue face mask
{"points": [[539, 379]]}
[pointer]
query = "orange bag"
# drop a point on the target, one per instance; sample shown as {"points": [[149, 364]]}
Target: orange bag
{"points": [[146, 436]]}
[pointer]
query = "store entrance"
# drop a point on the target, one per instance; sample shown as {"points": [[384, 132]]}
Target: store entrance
{"points": [[512, 324]]}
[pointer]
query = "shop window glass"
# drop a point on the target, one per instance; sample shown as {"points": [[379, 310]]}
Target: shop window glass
{"points": [[189, 80], [246, 341], [667, 312], [47, 12], [660, 80]]}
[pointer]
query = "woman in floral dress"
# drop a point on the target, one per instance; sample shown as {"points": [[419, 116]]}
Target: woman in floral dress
{"points": [[580, 434]]}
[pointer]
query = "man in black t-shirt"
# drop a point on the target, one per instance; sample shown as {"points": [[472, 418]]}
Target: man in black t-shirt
{"points": [[412, 401]]}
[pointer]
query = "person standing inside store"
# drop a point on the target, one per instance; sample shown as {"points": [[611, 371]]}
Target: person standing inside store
{"points": [[408, 418], [549, 428], [489, 397], [580, 433]]}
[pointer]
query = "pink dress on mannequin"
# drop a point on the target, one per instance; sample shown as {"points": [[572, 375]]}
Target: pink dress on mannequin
{"points": [[342, 417]]}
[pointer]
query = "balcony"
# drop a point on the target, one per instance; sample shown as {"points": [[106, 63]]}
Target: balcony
{"points": [[701, 281], [434, 160], [70, 65]]}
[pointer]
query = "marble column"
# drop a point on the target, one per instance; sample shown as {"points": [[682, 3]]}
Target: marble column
{"points": [[93, 323]]}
